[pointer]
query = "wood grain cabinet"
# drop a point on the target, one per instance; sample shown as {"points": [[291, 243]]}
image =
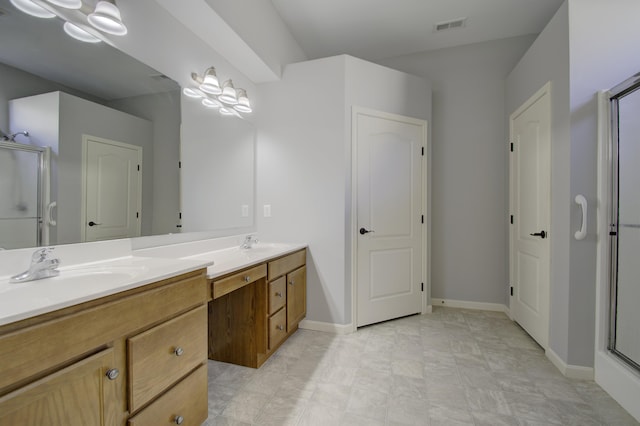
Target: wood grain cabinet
{"points": [[134, 358], [254, 310]]}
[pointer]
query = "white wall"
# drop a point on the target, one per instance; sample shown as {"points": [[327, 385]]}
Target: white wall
{"points": [[548, 60], [470, 166], [163, 111], [304, 163]]}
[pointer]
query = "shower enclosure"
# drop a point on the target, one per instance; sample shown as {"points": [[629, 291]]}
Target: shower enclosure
{"points": [[624, 223], [23, 195]]}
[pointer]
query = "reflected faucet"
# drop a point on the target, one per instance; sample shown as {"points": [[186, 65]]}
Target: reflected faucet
{"points": [[249, 241], [42, 266]]}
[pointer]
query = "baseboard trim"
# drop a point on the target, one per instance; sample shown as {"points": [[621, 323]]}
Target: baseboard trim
{"points": [[570, 371], [495, 307], [327, 327]]}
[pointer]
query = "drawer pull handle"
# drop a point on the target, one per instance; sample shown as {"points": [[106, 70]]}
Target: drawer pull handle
{"points": [[291, 282], [179, 351], [247, 279], [113, 373], [278, 293], [178, 420], [279, 327]]}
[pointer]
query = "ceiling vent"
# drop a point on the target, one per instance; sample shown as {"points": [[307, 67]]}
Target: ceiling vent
{"points": [[450, 25]]}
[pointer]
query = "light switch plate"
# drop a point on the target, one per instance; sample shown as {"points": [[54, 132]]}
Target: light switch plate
{"points": [[245, 210], [267, 210]]}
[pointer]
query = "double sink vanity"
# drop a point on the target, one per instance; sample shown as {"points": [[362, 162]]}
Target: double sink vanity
{"points": [[126, 340]]}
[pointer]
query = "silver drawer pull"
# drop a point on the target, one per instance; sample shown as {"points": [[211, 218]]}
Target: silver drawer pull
{"points": [[279, 327], [113, 373], [178, 420], [291, 282], [279, 294], [247, 279], [179, 351]]}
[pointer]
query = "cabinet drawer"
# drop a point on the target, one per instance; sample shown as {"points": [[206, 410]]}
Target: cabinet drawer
{"points": [[277, 294], [287, 263], [236, 281], [162, 355], [277, 328], [187, 401]]}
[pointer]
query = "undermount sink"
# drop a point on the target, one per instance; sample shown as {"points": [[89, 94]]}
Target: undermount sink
{"points": [[99, 273]]}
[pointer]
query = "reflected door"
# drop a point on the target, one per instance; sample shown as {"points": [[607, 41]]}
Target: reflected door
{"points": [[625, 229], [22, 191], [389, 212], [113, 184]]}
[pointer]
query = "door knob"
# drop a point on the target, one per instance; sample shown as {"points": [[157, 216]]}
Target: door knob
{"points": [[541, 234], [364, 231], [92, 223]]}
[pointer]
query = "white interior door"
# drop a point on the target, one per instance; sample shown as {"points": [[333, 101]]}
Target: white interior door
{"points": [[389, 158], [112, 190], [530, 128]]}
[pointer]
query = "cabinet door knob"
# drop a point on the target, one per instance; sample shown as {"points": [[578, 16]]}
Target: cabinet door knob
{"points": [[178, 420], [279, 327], [113, 373], [279, 294], [247, 279], [291, 282], [179, 351]]}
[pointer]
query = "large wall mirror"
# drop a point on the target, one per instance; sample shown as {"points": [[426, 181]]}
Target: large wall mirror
{"points": [[62, 91]]}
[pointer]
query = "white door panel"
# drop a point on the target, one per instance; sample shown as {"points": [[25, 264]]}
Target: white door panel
{"points": [[112, 190], [530, 129], [389, 204]]}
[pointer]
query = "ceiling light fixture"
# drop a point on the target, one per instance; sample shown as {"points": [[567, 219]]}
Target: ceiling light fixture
{"points": [[30, 8], [228, 100], [79, 33], [106, 18]]}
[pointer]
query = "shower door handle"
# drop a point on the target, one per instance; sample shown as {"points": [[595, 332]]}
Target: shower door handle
{"points": [[92, 223]]}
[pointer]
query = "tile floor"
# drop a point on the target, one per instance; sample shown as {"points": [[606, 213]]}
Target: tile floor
{"points": [[451, 367]]}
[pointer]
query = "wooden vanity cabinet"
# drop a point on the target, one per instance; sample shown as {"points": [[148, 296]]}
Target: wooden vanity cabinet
{"points": [[254, 310], [109, 361]]}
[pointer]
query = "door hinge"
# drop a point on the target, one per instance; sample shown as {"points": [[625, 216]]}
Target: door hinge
{"points": [[511, 146], [511, 290], [422, 286], [180, 215], [422, 219], [512, 219], [423, 151], [138, 167], [137, 215], [179, 164]]}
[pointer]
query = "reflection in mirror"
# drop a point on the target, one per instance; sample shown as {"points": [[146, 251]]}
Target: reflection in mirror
{"points": [[82, 90]]}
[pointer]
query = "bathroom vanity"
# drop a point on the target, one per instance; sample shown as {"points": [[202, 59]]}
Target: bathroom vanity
{"points": [[255, 309]]}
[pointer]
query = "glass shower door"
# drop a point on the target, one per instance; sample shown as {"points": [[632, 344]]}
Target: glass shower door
{"points": [[625, 227], [22, 170]]}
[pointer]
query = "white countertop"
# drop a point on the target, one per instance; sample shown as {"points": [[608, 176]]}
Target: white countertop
{"points": [[82, 283]]}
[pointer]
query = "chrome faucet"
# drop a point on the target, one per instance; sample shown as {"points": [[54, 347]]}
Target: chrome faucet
{"points": [[249, 241], [42, 266]]}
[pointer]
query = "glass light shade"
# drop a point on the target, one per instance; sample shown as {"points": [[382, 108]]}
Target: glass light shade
{"points": [[69, 4], [79, 34], [228, 95], [229, 111], [243, 104], [30, 8], [210, 82], [211, 103], [192, 92], [106, 18]]}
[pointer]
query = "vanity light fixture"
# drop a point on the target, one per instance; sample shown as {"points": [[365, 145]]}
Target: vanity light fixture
{"points": [[30, 8], [228, 100], [79, 34], [106, 18]]}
